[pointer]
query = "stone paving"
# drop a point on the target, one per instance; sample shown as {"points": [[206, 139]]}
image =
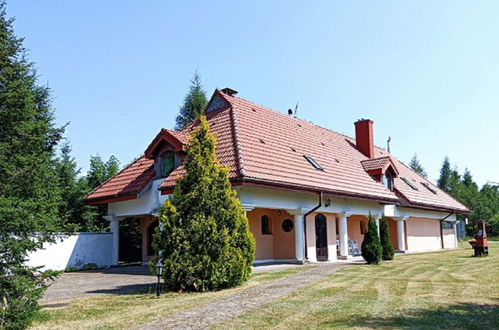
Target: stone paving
{"points": [[224, 309], [88, 283], [117, 280]]}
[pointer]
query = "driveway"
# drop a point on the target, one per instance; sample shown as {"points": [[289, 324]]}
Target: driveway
{"points": [[117, 280], [88, 283]]}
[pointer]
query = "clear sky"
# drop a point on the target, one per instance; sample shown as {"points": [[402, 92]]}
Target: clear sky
{"points": [[426, 72]]}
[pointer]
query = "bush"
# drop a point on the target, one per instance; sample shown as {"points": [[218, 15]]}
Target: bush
{"points": [[387, 250], [205, 242], [90, 266], [371, 247]]}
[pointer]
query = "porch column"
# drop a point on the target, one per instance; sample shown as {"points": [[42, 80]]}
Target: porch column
{"points": [[299, 233], [115, 229], [401, 233], [342, 222], [377, 218]]}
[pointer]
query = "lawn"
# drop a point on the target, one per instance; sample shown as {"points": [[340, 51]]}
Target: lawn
{"points": [[446, 289], [127, 310]]}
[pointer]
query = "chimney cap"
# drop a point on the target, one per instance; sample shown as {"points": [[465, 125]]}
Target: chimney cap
{"points": [[229, 91], [363, 120]]}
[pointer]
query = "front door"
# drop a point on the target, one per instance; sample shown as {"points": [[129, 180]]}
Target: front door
{"points": [[321, 237]]}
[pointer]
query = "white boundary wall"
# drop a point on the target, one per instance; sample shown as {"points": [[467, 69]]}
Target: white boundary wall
{"points": [[75, 251]]}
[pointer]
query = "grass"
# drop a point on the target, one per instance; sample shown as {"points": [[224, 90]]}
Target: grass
{"points": [[448, 289], [128, 310]]}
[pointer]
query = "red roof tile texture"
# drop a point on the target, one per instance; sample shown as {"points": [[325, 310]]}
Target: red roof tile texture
{"points": [[262, 146], [129, 181]]}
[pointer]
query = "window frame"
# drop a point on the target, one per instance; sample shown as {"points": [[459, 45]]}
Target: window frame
{"points": [[163, 173], [266, 225], [314, 163]]}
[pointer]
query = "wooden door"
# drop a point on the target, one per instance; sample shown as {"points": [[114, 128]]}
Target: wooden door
{"points": [[321, 237]]}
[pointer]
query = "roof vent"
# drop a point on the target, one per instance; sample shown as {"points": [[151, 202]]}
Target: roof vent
{"points": [[229, 91]]}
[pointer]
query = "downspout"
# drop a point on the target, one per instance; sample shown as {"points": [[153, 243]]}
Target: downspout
{"points": [[441, 229], [305, 221]]}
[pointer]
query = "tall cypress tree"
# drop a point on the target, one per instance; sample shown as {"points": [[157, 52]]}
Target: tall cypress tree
{"points": [[384, 236], [371, 246], [29, 192], [194, 103], [205, 242]]}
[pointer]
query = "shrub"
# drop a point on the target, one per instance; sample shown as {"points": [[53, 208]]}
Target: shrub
{"points": [[386, 245], [90, 266], [371, 247], [205, 242]]}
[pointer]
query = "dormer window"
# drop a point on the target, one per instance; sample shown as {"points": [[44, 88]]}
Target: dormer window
{"points": [[388, 181], [167, 164]]}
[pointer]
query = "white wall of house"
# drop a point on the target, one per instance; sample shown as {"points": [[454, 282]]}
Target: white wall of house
{"points": [[148, 202], [75, 251]]}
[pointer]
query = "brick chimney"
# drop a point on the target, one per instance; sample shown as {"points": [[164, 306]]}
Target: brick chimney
{"points": [[364, 137]]}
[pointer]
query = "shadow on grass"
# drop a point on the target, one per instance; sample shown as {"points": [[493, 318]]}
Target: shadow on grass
{"points": [[128, 289], [458, 316]]}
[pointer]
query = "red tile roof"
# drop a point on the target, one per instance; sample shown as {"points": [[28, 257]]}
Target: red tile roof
{"points": [[262, 146], [124, 185]]}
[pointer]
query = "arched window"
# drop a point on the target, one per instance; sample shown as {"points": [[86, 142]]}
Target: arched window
{"points": [[266, 225], [167, 164], [150, 232]]}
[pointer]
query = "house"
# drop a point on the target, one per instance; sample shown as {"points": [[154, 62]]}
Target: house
{"points": [[307, 190]]}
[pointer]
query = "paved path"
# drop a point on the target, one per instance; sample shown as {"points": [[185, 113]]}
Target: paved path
{"points": [[83, 284], [118, 280], [223, 309]]}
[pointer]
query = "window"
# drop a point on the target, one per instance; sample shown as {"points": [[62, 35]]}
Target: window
{"points": [[167, 163], [409, 183], [287, 225], [427, 186], [314, 163], [266, 225], [388, 181]]}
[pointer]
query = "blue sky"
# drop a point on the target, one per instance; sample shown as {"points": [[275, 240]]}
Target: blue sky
{"points": [[426, 72]]}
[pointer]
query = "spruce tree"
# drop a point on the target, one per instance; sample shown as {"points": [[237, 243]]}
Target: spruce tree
{"points": [[29, 191], [386, 245], [417, 167], [371, 246], [445, 175], [205, 242], [194, 103]]}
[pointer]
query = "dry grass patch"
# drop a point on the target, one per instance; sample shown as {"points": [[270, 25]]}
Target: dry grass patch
{"points": [[128, 310], [447, 289]]}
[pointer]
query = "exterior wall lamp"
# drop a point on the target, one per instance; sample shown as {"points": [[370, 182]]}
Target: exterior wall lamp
{"points": [[159, 272], [327, 203]]}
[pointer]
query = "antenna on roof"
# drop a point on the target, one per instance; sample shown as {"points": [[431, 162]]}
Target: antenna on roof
{"points": [[296, 108], [388, 143]]}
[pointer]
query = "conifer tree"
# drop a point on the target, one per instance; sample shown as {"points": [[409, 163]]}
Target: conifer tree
{"points": [[194, 103], [386, 245], [445, 175], [29, 191], [417, 167], [205, 242], [371, 246]]}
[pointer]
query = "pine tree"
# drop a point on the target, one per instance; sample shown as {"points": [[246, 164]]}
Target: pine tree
{"points": [[445, 175], [371, 246], [29, 191], [417, 167], [194, 103], [205, 242], [99, 172], [386, 245]]}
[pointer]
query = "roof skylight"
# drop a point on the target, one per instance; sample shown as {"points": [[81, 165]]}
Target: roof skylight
{"points": [[409, 183], [314, 163], [427, 186]]}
